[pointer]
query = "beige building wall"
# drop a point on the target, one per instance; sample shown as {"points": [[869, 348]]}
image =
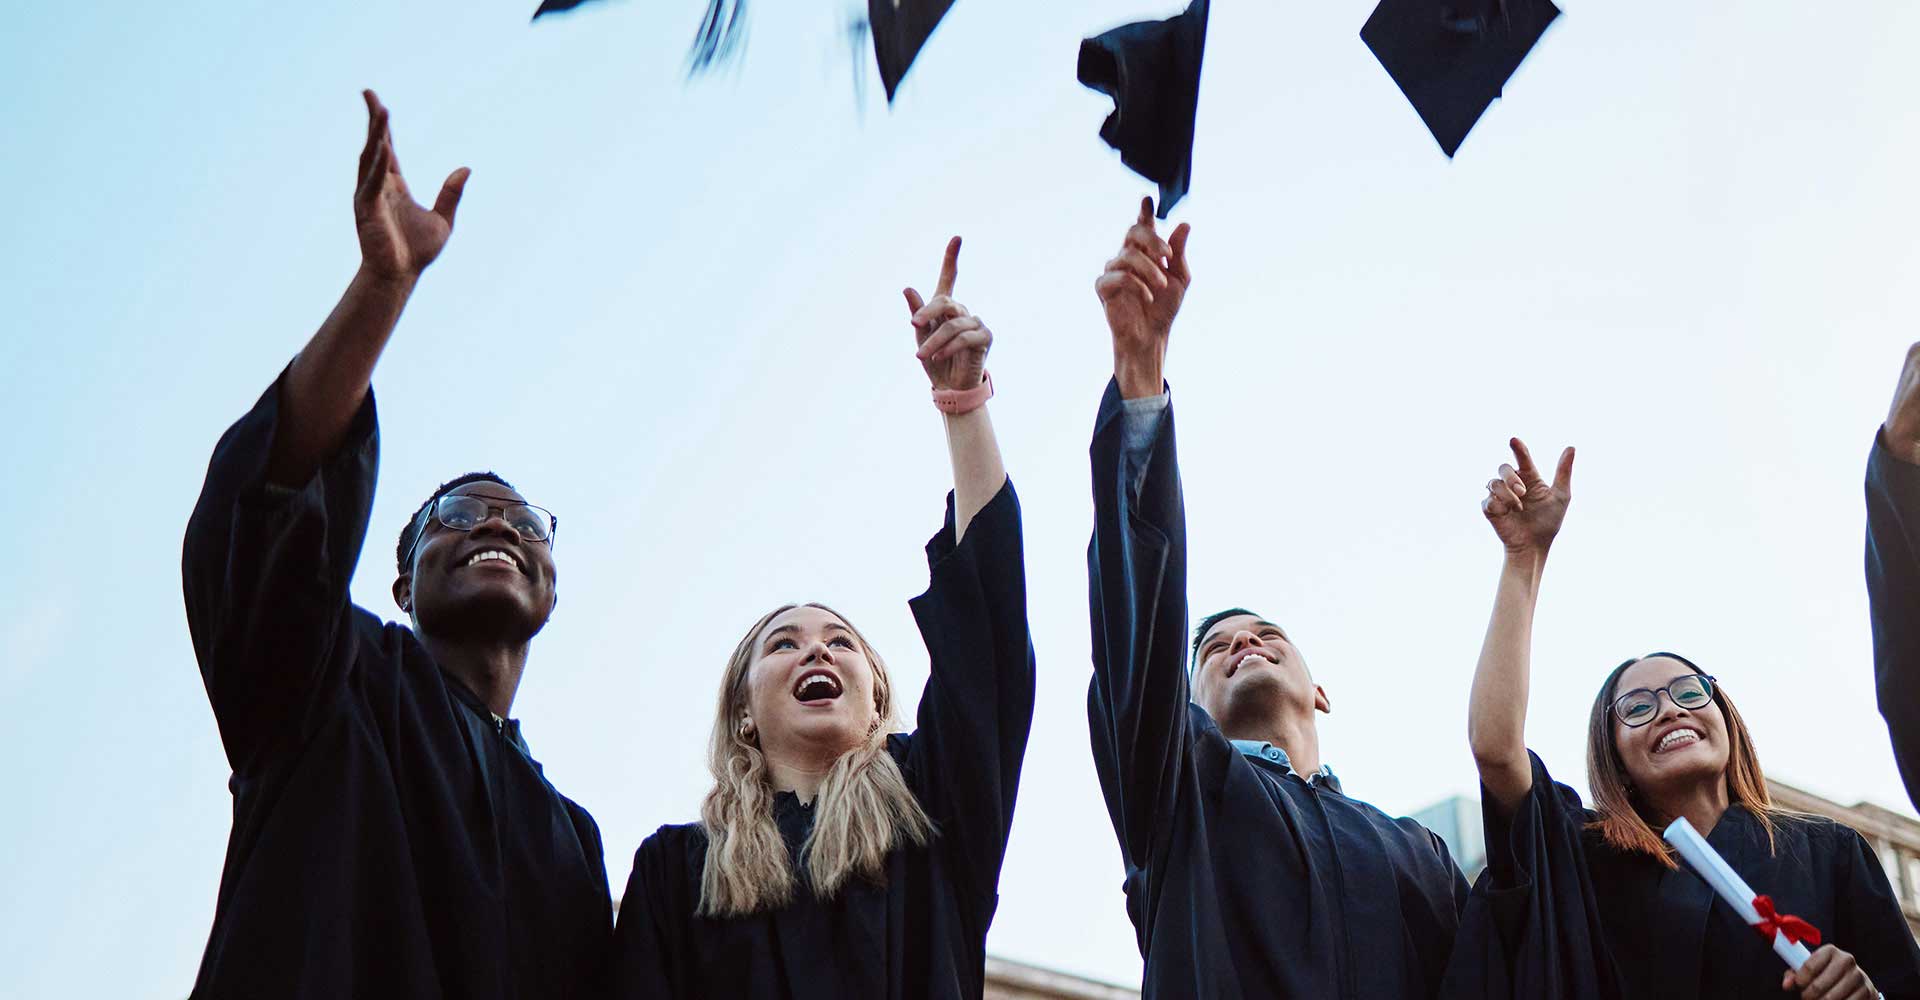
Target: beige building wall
{"points": [[1895, 837]]}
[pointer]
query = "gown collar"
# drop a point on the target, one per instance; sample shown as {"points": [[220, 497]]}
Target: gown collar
{"points": [[1263, 750]]}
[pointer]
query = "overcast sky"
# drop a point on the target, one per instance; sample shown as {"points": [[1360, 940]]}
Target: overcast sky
{"points": [[671, 313]]}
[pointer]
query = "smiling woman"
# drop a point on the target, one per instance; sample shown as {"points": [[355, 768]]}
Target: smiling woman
{"points": [[835, 857], [1590, 903]]}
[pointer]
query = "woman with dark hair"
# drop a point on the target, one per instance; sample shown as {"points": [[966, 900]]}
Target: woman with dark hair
{"points": [[1591, 903], [834, 856]]}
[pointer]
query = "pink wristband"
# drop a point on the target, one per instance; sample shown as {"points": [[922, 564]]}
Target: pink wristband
{"points": [[958, 401]]}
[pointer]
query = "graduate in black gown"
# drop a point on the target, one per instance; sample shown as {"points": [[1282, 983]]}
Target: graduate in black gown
{"points": [[1249, 871], [392, 836], [1590, 903], [1893, 569], [835, 857]]}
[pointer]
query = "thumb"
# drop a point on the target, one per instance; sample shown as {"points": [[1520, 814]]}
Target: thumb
{"points": [[1563, 474], [449, 199], [1178, 263], [914, 301]]}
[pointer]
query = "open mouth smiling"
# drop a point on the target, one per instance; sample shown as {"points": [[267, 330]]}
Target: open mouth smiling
{"points": [[816, 687], [1242, 660], [1677, 739], [486, 556]]}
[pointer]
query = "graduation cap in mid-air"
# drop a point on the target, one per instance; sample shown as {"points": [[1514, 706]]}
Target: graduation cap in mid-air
{"points": [[1451, 57], [1151, 69], [722, 29], [900, 29]]}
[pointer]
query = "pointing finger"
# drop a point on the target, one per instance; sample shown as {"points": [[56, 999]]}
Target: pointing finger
{"points": [[1524, 459], [949, 268], [1146, 212]]}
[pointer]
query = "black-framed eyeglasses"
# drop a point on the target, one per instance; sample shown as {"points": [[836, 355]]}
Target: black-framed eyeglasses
{"points": [[464, 512], [1639, 706]]}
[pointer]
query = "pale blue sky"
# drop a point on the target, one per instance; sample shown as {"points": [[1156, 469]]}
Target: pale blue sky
{"points": [[671, 313]]}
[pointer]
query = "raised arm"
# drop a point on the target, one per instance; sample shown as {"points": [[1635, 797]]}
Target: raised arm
{"points": [[953, 351], [1525, 511], [1893, 570], [976, 712], [1137, 703], [398, 239], [277, 530]]}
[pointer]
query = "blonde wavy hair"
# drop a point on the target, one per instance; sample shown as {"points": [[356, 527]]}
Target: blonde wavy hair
{"points": [[863, 811]]}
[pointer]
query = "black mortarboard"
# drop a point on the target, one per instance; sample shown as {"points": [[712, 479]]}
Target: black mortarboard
{"points": [[900, 30], [1451, 57], [722, 29], [1151, 69]]}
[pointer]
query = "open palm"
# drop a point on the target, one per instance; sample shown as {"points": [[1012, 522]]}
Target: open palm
{"points": [[398, 238]]}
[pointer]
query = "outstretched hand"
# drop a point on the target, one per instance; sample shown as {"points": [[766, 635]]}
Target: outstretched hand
{"points": [[398, 238], [953, 342], [1524, 509], [1141, 291]]}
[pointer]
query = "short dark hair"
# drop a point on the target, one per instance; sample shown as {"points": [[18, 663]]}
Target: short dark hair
{"points": [[1207, 624], [415, 524]]}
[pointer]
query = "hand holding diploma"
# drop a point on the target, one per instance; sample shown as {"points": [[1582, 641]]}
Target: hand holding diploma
{"points": [[1827, 974]]}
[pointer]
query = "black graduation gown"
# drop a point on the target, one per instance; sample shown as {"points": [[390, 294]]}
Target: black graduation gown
{"points": [[1242, 879], [1559, 915], [389, 838], [923, 934], [1893, 594]]}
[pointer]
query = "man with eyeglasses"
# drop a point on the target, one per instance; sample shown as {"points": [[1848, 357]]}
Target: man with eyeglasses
{"points": [[1249, 871], [392, 836]]}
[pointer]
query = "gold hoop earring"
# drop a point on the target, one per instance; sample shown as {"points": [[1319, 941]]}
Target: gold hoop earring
{"points": [[746, 728]]}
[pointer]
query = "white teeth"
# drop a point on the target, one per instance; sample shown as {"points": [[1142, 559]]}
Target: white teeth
{"points": [[1251, 655], [816, 685], [490, 555], [1677, 738]]}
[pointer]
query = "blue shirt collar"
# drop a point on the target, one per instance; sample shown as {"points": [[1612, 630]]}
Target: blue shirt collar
{"points": [[1263, 750]]}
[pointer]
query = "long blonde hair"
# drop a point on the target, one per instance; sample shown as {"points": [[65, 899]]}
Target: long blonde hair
{"points": [[863, 811]]}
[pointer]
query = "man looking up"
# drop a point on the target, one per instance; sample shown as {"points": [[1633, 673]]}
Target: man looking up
{"points": [[391, 835], [1250, 873]]}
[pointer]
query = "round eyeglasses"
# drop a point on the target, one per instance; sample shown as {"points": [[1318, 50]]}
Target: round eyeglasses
{"points": [[1639, 706], [464, 512]]}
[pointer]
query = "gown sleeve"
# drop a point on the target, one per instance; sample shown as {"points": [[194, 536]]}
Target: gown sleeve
{"points": [[651, 932], [1531, 927], [963, 759], [1869, 922], [265, 570], [1893, 595], [1137, 711]]}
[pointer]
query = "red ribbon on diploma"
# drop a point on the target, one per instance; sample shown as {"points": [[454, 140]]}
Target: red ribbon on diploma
{"points": [[1796, 930]]}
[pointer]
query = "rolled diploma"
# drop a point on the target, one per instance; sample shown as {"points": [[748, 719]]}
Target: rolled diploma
{"points": [[1730, 887]]}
